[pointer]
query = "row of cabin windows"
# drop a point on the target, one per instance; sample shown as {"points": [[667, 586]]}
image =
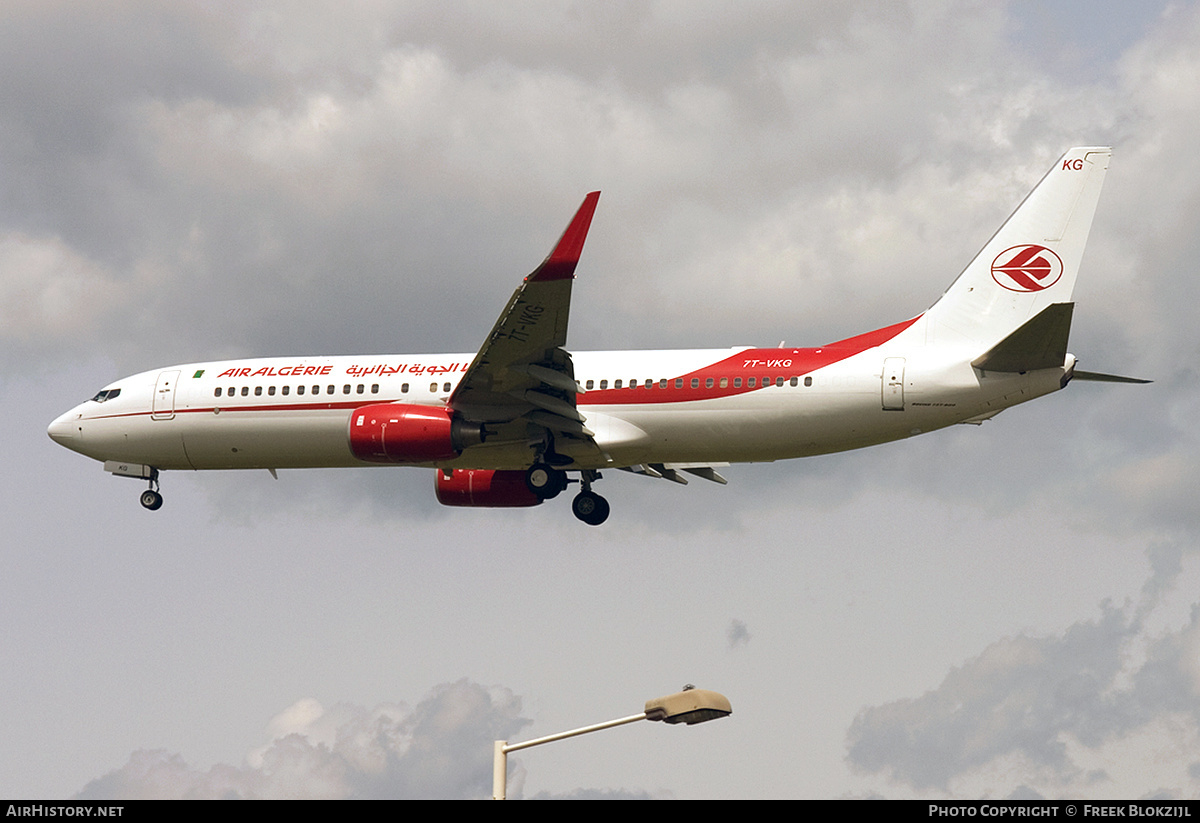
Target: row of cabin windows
{"points": [[286, 390], [330, 389], [709, 382]]}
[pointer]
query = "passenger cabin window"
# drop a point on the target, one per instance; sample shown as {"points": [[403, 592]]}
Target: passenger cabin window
{"points": [[808, 381], [299, 390], [217, 391], [286, 389], [403, 388], [258, 391]]}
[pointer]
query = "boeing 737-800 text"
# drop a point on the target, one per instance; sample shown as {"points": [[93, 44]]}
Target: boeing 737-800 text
{"points": [[505, 426]]}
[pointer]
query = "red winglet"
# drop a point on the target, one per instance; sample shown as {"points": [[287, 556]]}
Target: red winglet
{"points": [[560, 265]]}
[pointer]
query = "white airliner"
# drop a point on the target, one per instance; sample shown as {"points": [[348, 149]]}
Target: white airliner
{"points": [[504, 426]]}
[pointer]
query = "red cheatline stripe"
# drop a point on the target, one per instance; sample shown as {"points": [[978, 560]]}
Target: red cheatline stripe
{"points": [[765, 363]]}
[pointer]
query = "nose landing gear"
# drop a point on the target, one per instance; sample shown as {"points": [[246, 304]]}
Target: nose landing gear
{"points": [[150, 498]]}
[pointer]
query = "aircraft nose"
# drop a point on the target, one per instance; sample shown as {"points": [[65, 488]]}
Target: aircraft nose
{"points": [[64, 430]]}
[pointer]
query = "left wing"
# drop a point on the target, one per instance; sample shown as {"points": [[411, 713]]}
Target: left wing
{"points": [[523, 370]]}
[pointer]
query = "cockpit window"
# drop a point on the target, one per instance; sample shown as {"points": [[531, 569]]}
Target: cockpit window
{"points": [[107, 394]]}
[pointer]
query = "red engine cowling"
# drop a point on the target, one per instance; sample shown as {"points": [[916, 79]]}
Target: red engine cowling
{"points": [[406, 433], [484, 487]]}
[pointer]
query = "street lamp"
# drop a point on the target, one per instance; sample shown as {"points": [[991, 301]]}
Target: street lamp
{"points": [[690, 706]]}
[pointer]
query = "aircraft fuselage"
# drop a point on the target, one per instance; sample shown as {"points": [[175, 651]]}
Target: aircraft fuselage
{"points": [[698, 406]]}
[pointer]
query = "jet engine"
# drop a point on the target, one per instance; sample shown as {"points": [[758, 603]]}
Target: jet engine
{"points": [[408, 433], [484, 487]]}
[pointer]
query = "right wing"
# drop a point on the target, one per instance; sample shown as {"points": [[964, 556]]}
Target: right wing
{"points": [[523, 370]]}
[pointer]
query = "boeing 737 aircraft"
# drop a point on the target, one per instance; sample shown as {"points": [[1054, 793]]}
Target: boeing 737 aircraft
{"points": [[505, 426]]}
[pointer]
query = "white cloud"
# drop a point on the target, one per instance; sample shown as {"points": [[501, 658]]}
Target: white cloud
{"points": [[440, 749]]}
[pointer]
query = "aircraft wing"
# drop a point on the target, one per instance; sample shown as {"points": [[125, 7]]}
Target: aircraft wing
{"points": [[523, 370]]}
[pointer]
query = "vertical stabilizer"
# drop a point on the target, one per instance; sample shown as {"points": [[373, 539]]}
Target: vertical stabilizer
{"points": [[1030, 263]]}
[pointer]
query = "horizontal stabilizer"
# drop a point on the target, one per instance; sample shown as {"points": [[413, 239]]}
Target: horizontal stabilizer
{"points": [[1097, 377], [1039, 343]]}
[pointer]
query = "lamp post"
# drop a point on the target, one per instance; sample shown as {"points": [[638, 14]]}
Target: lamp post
{"points": [[690, 706]]}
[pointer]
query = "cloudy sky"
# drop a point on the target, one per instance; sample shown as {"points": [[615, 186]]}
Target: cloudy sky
{"points": [[1005, 610]]}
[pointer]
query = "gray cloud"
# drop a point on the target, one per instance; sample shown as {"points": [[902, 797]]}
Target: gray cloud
{"points": [[1019, 695], [1037, 696]]}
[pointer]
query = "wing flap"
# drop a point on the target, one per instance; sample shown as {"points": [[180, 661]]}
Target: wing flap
{"points": [[671, 471], [554, 379], [558, 424], [552, 404]]}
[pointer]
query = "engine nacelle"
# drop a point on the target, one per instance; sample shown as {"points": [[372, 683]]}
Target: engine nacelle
{"points": [[484, 487], [407, 433]]}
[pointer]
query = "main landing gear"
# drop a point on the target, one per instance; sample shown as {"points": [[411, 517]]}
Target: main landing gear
{"points": [[590, 507], [546, 482]]}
